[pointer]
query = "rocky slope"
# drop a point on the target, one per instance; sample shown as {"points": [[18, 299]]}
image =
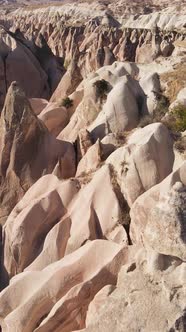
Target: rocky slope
{"points": [[93, 168]]}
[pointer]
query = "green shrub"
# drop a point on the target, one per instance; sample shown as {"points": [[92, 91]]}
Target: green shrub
{"points": [[67, 102], [102, 88], [179, 116]]}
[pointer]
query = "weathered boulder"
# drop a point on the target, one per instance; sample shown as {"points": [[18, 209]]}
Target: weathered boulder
{"points": [[158, 216], [54, 117], [139, 164], [44, 204], [85, 113], [125, 104], [68, 84], [150, 84], [147, 293], [87, 223], [91, 160], [38, 104]]}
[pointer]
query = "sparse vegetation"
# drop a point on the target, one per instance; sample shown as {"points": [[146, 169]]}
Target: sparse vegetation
{"points": [[67, 102], [175, 81], [66, 64], [179, 114], [121, 137], [102, 89], [176, 120], [180, 144], [161, 109]]}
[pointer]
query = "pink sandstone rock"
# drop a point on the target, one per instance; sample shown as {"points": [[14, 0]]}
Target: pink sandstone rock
{"points": [[54, 117], [38, 104], [31, 150], [139, 164], [33, 217], [90, 222], [158, 216], [62, 291], [91, 160]]}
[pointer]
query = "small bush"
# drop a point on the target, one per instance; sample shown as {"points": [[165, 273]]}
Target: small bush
{"points": [[102, 88], [176, 120], [175, 80], [67, 102], [179, 115], [162, 107], [121, 138]]}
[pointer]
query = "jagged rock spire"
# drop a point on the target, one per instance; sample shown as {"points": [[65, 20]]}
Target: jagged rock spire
{"points": [[27, 149]]}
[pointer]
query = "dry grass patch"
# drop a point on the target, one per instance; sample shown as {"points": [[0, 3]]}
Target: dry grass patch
{"points": [[175, 80], [176, 120]]}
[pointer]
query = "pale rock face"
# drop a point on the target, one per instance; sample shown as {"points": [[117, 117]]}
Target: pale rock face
{"points": [[64, 289], [29, 61], [30, 152], [139, 164], [66, 166], [21, 64], [98, 301], [68, 84], [91, 160], [85, 113], [180, 99], [142, 298], [151, 86], [32, 218], [54, 117], [84, 142], [122, 110], [38, 104], [108, 144], [123, 106], [162, 219], [75, 260], [145, 54], [91, 222], [158, 216], [76, 98]]}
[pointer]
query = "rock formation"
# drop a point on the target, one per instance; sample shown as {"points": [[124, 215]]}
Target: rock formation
{"points": [[43, 41], [92, 166], [27, 150]]}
